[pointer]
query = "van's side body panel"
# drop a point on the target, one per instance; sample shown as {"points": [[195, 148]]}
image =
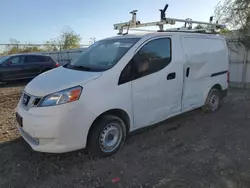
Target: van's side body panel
{"points": [[146, 100], [155, 97], [207, 60]]}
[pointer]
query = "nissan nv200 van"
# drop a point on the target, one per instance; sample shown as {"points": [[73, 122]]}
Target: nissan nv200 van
{"points": [[121, 84]]}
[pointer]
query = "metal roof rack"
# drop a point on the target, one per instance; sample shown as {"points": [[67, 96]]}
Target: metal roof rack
{"points": [[211, 27]]}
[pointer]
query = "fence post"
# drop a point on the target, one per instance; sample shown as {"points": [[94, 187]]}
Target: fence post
{"points": [[244, 72]]}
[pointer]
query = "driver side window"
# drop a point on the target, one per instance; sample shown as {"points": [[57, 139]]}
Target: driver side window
{"points": [[151, 58], [17, 60]]}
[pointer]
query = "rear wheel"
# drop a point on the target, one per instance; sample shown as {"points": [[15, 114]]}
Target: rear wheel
{"points": [[107, 136], [213, 101]]}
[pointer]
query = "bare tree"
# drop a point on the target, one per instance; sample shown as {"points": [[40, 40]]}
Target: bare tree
{"points": [[236, 14]]}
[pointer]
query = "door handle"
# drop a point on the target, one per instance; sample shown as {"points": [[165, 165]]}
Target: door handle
{"points": [[187, 72], [171, 76]]}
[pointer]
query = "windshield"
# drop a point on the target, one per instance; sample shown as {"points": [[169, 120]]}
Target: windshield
{"points": [[3, 58], [103, 54]]}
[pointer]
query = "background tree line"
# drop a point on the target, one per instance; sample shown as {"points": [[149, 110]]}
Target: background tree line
{"points": [[236, 15], [68, 39]]}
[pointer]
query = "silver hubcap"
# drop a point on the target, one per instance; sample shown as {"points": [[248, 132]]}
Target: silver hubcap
{"points": [[214, 101], [110, 137]]}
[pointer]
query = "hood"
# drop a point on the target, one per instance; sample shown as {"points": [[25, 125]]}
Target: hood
{"points": [[59, 79]]}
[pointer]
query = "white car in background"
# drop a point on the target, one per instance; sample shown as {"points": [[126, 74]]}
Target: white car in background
{"points": [[121, 84]]}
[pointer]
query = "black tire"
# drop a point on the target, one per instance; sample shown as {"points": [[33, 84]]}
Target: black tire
{"points": [[100, 133], [213, 100]]}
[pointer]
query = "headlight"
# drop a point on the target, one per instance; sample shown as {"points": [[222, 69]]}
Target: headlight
{"points": [[62, 97]]}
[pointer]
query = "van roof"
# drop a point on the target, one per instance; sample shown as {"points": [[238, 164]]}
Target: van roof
{"points": [[153, 34]]}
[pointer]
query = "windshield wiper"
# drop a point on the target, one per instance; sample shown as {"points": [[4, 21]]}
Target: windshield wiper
{"points": [[81, 67]]}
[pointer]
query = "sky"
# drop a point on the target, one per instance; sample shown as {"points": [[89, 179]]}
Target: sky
{"points": [[36, 21]]}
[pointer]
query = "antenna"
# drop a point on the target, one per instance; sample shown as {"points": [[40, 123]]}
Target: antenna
{"points": [[188, 24]]}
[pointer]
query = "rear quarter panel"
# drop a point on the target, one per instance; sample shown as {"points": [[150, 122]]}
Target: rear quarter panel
{"points": [[206, 56]]}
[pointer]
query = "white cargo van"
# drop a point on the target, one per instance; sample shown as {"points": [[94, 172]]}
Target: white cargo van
{"points": [[121, 84]]}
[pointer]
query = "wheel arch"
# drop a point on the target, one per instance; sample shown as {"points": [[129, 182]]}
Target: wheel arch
{"points": [[217, 86], [116, 112]]}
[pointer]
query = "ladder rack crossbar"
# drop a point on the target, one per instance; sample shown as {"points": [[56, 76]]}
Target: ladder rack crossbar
{"points": [[133, 23], [170, 21]]}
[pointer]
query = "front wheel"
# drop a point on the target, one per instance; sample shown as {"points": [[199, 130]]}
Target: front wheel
{"points": [[213, 101], [107, 136]]}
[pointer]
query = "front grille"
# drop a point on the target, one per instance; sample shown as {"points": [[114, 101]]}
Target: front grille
{"points": [[26, 99], [29, 101]]}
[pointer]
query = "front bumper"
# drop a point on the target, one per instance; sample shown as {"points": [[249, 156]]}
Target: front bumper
{"points": [[56, 129]]}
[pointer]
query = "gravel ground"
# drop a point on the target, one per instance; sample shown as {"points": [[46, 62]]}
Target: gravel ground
{"points": [[191, 150], [9, 96]]}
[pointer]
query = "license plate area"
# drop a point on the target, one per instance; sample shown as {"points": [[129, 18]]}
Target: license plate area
{"points": [[19, 120]]}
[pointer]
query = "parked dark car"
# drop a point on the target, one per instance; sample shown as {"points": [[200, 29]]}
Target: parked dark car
{"points": [[24, 66]]}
